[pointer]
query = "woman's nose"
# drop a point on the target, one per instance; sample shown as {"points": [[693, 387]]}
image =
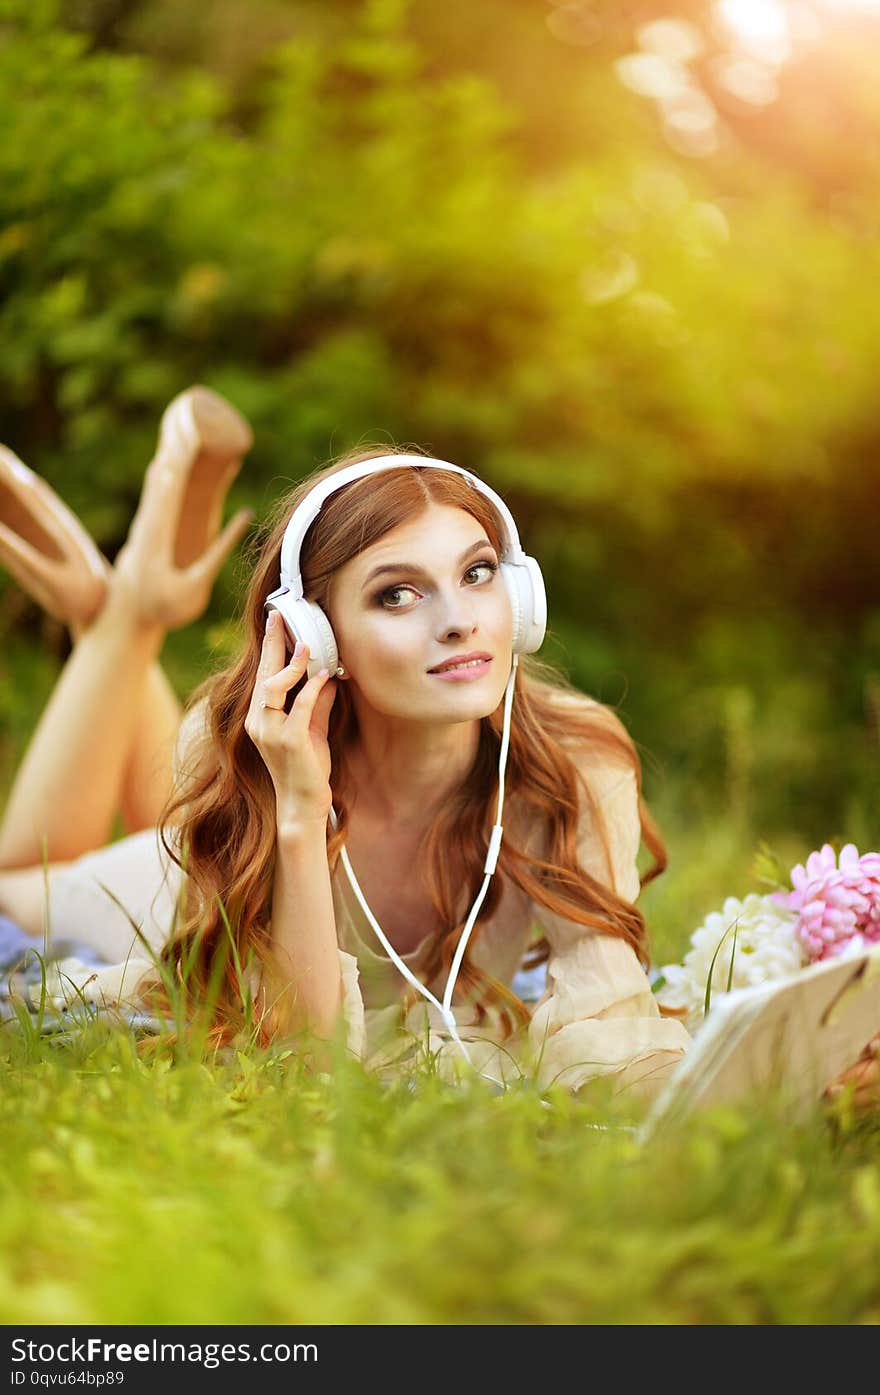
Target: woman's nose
{"points": [[458, 619]]}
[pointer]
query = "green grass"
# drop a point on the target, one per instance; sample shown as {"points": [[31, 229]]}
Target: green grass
{"points": [[252, 1190], [249, 1189]]}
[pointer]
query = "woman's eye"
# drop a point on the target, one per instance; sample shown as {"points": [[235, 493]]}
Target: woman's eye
{"points": [[492, 567], [392, 591], [386, 598]]}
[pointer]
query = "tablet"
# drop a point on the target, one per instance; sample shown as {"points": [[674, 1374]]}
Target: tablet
{"points": [[786, 1040]]}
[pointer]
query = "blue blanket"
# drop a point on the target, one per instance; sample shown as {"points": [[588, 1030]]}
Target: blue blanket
{"points": [[21, 975]]}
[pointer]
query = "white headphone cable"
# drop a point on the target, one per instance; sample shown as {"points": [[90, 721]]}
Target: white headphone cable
{"points": [[494, 845], [444, 1007]]}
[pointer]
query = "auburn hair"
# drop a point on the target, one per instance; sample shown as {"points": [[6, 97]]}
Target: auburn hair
{"points": [[219, 824]]}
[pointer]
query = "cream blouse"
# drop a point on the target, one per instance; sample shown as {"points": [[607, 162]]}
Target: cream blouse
{"points": [[596, 1017]]}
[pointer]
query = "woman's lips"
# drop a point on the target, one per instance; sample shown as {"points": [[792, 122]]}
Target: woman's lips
{"points": [[466, 674]]}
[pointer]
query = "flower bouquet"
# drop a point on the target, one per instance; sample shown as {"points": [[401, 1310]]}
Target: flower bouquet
{"points": [[830, 908]]}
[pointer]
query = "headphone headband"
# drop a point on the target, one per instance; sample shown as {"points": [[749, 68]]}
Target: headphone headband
{"points": [[305, 514], [306, 620]]}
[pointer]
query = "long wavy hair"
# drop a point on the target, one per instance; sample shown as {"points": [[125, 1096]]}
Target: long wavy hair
{"points": [[219, 824]]}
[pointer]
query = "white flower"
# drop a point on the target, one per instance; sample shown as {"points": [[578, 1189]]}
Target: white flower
{"points": [[765, 948]]}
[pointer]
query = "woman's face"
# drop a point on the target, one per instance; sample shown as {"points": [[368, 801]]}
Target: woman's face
{"points": [[428, 592]]}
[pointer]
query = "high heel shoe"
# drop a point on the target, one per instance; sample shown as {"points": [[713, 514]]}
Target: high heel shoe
{"points": [[46, 548], [202, 442], [175, 545], [203, 434]]}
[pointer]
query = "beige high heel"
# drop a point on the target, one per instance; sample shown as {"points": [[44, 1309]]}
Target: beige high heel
{"points": [[176, 545], [203, 434], [46, 548], [202, 442]]}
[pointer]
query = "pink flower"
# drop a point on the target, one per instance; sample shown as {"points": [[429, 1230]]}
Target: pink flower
{"points": [[838, 906]]}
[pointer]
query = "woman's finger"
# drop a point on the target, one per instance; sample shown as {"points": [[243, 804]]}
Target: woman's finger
{"points": [[274, 646], [303, 709], [276, 681], [867, 1078], [270, 662], [863, 1080], [320, 721]]}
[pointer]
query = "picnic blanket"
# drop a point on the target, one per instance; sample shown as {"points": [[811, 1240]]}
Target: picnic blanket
{"points": [[79, 984]]}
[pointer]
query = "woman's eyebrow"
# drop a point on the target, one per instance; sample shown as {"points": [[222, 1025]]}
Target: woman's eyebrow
{"points": [[414, 569]]}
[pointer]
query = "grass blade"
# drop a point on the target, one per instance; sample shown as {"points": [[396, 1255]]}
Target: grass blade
{"points": [[708, 998]]}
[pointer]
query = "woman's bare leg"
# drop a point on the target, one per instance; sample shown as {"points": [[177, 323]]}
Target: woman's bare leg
{"points": [[147, 777], [99, 899], [53, 557], [147, 774], [23, 897], [201, 424], [69, 786], [67, 790], [104, 743]]}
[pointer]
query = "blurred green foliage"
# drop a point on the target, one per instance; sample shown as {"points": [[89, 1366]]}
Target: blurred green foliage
{"points": [[388, 220]]}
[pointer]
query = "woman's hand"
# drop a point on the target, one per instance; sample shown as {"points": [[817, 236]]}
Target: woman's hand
{"points": [[863, 1078], [293, 745]]}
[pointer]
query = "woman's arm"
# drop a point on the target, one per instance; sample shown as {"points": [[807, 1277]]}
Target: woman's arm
{"points": [[304, 987], [67, 788]]}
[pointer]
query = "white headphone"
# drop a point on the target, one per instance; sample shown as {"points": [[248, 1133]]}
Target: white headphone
{"points": [[306, 621]]}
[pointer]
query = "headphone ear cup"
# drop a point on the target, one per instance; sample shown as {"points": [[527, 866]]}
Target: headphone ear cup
{"points": [[514, 594], [528, 603], [325, 653], [306, 621]]}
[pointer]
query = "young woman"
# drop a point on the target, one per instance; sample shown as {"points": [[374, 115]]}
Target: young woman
{"points": [[305, 808], [400, 739]]}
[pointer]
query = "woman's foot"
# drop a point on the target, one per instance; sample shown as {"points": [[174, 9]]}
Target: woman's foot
{"points": [[46, 548], [174, 550]]}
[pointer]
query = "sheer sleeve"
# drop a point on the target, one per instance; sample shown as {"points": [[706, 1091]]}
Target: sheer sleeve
{"points": [[352, 1005], [597, 1016]]}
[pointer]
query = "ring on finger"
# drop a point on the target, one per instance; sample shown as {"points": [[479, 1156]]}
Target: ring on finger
{"points": [[271, 705]]}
